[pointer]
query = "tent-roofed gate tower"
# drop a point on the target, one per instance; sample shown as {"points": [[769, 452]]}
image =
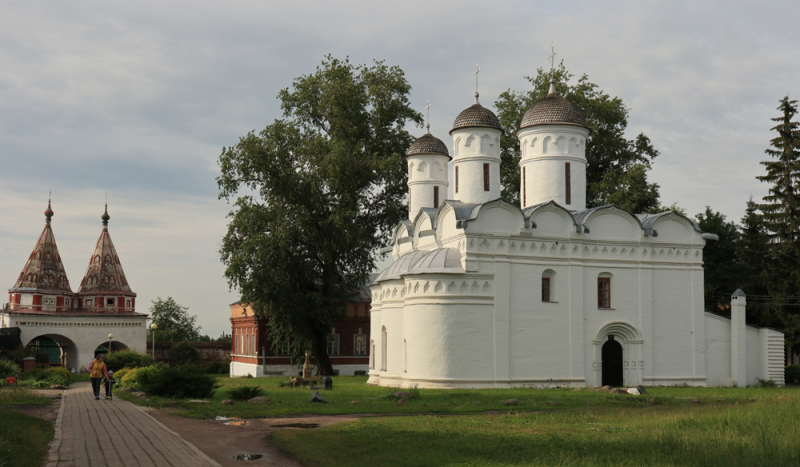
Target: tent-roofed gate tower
{"points": [[484, 293], [42, 305]]}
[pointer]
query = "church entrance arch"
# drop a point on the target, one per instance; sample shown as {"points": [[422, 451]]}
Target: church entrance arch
{"points": [[109, 346], [59, 350], [618, 355], [612, 362]]}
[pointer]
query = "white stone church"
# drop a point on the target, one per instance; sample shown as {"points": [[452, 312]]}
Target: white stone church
{"points": [[484, 293]]}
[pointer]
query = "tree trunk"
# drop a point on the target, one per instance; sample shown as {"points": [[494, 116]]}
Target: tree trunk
{"points": [[324, 367]]}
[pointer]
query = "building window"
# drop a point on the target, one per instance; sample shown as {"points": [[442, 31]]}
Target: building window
{"points": [[333, 344], [485, 177], [603, 292], [545, 289], [568, 180], [48, 301], [384, 338], [524, 190], [360, 344], [456, 170], [127, 303], [110, 301], [435, 196], [66, 302]]}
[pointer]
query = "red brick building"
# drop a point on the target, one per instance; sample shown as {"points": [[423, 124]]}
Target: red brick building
{"points": [[252, 352]]}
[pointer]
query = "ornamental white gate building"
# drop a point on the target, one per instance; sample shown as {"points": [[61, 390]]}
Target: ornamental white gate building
{"points": [[43, 306], [484, 293]]}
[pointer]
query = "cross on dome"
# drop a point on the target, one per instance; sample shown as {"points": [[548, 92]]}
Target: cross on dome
{"points": [[428, 117], [552, 56], [477, 70]]}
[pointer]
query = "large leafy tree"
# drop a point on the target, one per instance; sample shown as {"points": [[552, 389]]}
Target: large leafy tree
{"points": [[173, 321], [315, 193], [781, 216], [617, 167]]}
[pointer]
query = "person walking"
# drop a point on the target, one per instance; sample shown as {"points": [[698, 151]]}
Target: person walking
{"points": [[97, 369]]}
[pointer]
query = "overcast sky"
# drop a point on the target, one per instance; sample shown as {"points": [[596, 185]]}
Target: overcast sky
{"points": [[137, 99]]}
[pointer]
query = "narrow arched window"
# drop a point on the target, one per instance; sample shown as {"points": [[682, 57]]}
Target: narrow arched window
{"points": [[548, 286], [524, 190], [485, 177], [456, 173], [435, 196], [568, 182], [384, 338], [604, 292]]}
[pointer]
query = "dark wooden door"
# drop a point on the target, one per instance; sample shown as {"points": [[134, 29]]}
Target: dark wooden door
{"points": [[612, 363]]}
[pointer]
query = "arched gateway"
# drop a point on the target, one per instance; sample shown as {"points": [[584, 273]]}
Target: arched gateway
{"points": [[618, 355], [69, 326]]}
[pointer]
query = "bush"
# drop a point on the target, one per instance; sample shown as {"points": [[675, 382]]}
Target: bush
{"points": [[765, 383], [245, 393], [9, 368], [792, 374], [119, 374], [218, 367], [58, 372], [183, 382], [184, 353], [37, 374], [139, 376], [128, 359]]}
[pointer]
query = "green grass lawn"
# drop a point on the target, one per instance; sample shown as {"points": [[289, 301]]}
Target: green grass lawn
{"points": [[675, 426], [23, 439], [729, 434], [23, 396]]}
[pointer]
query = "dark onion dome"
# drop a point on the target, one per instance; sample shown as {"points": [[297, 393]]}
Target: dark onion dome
{"points": [[553, 109], [428, 144], [476, 115]]}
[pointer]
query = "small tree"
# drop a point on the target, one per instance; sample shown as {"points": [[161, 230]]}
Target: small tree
{"points": [[173, 321], [184, 353]]}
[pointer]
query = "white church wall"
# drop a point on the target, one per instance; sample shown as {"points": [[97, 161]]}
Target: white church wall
{"points": [[497, 218], [539, 339], [755, 351], [675, 229], [552, 222], [613, 224], [446, 225], [674, 357], [718, 350], [424, 172], [449, 345], [545, 151], [473, 147]]}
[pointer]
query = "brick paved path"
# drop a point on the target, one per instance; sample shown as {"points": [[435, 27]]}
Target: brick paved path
{"points": [[100, 433]]}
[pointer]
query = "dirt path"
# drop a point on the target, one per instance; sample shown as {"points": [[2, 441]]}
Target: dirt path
{"points": [[222, 442]]}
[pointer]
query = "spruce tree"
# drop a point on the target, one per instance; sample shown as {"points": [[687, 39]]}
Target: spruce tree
{"points": [[753, 249], [781, 214], [781, 209]]}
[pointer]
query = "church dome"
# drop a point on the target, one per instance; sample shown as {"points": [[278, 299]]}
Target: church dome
{"points": [[553, 109], [476, 115], [428, 144]]}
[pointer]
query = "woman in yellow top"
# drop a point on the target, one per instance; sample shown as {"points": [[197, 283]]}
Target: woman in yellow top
{"points": [[97, 369]]}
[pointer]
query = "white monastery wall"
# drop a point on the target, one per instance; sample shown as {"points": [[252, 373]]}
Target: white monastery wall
{"points": [[473, 147]]}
